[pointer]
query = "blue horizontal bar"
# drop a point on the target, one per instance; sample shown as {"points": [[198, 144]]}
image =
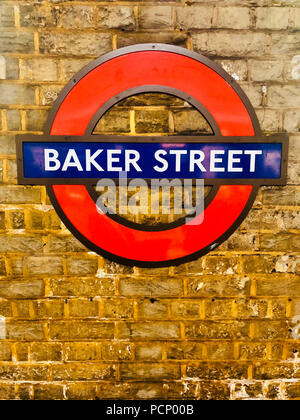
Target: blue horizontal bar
{"points": [[95, 160]]}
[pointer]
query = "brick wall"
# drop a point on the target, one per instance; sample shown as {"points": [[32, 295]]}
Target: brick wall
{"points": [[73, 325]]}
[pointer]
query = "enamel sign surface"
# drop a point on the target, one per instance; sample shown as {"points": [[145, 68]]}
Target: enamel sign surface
{"points": [[236, 160]]}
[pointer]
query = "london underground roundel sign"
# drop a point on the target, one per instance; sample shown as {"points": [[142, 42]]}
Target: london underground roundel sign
{"points": [[69, 159]]}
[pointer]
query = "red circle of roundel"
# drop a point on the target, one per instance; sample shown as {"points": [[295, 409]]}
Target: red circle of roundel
{"points": [[126, 69]]}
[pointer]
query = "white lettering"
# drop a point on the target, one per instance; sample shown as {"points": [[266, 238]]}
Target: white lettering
{"points": [[90, 160], [132, 160], [111, 160], [178, 154], [51, 156], [161, 160], [72, 161], [197, 160], [214, 160], [232, 160], [253, 154]]}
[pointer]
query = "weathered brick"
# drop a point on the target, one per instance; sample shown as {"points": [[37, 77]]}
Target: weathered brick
{"points": [[5, 352], [2, 267], [271, 330], [36, 15], [44, 265], [279, 196], [272, 18], [276, 371], [292, 121], [39, 69], [24, 331], [11, 171], [116, 17], [82, 286], [274, 286], [148, 352], [11, 94], [230, 44], [74, 17], [7, 18], [280, 219], [20, 243], [82, 266], [258, 263], [16, 42], [220, 351], [270, 120], [238, 69], [185, 350], [288, 96], [116, 351], [157, 330], [53, 309], [116, 308], [10, 68], [36, 119], [46, 351], [218, 308], [169, 37], [157, 17], [287, 264], [151, 121], [7, 146], [217, 329], [262, 71], [190, 122], [287, 45], [197, 17], [254, 93], [250, 308], [293, 390], [5, 308], [22, 351], [7, 392], [185, 390], [88, 44], [24, 373], [217, 371], [81, 391], [279, 242], [82, 372], [152, 309], [69, 67], [186, 309], [248, 391], [83, 308], [13, 119], [22, 309], [24, 392], [252, 351], [214, 390], [48, 392], [149, 371], [82, 351], [219, 286], [49, 93], [114, 121], [90, 330], [62, 244], [155, 287], [233, 17]]}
